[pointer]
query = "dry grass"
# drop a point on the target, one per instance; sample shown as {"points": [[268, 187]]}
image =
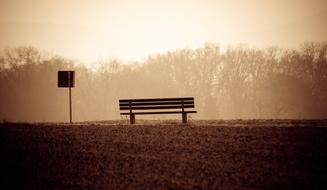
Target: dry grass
{"points": [[238, 154]]}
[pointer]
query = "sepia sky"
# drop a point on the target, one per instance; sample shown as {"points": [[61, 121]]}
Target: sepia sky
{"points": [[88, 30]]}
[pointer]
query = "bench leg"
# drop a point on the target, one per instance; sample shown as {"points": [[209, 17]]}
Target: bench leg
{"points": [[184, 116], [132, 118]]}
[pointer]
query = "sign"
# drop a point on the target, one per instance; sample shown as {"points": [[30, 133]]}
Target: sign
{"points": [[66, 79]]}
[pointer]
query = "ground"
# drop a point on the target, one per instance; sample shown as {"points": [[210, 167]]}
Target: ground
{"points": [[238, 154]]}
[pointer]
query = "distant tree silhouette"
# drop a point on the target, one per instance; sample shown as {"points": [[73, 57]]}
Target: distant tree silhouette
{"points": [[240, 82]]}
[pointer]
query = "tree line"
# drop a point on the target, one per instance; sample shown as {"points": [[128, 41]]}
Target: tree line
{"points": [[239, 82]]}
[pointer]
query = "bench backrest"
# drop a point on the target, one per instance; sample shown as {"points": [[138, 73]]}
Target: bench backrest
{"points": [[156, 103]]}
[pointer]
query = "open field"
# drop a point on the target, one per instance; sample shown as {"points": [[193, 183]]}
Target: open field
{"points": [[239, 154]]}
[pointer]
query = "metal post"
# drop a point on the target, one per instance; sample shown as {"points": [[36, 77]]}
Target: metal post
{"points": [[70, 105], [70, 99]]}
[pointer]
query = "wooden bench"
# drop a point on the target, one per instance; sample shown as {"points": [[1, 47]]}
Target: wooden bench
{"points": [[169, 105]]}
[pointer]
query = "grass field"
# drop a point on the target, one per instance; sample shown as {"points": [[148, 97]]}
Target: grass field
{"points": [[238, 154]]}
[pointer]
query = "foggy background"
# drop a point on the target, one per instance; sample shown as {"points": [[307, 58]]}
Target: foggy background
{"points": [[171, 48], [237, 82]]}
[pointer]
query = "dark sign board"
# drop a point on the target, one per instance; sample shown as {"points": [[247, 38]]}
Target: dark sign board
{"points": [[66, 79]]}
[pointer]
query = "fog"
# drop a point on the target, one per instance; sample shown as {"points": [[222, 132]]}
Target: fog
{"points": [[239, 82], [90, 29]]}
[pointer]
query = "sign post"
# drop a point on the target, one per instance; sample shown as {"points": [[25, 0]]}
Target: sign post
{"points": [[66, 79]]}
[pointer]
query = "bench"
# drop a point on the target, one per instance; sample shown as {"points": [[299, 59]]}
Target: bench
{"points": [[168, 105]]}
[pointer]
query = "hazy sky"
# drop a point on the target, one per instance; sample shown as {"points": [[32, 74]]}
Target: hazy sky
{"points": [[88, 30]]}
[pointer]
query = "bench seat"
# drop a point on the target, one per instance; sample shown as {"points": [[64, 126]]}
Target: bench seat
{"points": [[158, 112], [168, 105]]}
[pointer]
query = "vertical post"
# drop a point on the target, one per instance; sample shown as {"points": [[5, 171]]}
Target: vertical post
{"points": [[70, 105], [132, 118], [70, 99], [131, 115], [184, 115]]}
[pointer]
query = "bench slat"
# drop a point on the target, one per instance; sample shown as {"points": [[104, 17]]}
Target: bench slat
{"points": [[167, 112], [156, 103], [156, 99], [154, 107]]}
